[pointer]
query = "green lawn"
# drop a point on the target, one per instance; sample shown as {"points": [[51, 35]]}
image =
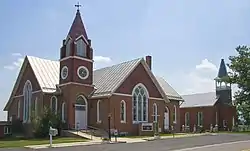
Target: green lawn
{"points": [[15, 142]]}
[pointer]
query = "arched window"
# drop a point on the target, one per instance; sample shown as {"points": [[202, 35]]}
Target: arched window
{"points": [[187, 119], [53, 104], [98, 120], [155, 112], [68, 47], [81, 48], [123, 111], [140, 103], [81, 100], [36, 107], [63, 111], [27, 93], [18, 108], [175, 115], [200, 119]]}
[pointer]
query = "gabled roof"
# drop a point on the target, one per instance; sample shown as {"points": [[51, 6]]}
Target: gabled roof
{"points": [[169, 91], [105, 80], [77, 28], [199, 100]]}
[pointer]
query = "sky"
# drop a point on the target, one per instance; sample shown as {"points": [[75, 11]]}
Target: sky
{"points": [[186, 39]]}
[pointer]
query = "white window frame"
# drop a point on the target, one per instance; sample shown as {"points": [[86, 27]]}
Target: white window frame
{"points": [[200, 116], [98, 120], [155, 112], [6, 130], [36, 107], [18, 109], [175, 115], [187, 119], [63, 112], [81, 48], [51, 103], [124, 113], [27, 93], [146, 108]]}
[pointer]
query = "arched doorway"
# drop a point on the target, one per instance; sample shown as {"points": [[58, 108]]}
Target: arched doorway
{"points": [[81, 113], [166, 119]]}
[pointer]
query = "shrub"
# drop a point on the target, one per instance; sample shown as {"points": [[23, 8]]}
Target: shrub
{"points": [[17, 126], [41, 124]]}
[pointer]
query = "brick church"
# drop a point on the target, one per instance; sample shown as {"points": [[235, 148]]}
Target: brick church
{"points": [[129, 93], [212, 109]]}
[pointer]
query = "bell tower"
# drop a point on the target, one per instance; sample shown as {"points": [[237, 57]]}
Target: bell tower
{"points": [[223, 89], [76, 56]]}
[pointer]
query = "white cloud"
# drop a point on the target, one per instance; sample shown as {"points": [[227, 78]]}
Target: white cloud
{"points": [[101, 62], [205, 64], [16, 64], [16, 54], [101, 59], [200, 79]]}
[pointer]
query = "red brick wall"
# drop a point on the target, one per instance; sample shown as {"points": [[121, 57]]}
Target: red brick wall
{"points": [[224, 112], [139, 75]]}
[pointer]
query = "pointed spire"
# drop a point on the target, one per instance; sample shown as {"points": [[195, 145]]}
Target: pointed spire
{"points": [[222, 70], [77, 28]]}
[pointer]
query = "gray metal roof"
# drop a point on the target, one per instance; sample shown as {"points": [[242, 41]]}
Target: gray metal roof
{"points": [[169, 91], [106, 80], [199, 100]]}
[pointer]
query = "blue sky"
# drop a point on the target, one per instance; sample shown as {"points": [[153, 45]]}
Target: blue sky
{"points": [[187, 39]]}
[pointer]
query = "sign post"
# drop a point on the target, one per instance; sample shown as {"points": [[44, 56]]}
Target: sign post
{"points": [[116, 134], [52, 132]]}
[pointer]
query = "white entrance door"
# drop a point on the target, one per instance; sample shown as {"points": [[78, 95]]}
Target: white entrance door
{"points": [[80, 117], [166, 119]]}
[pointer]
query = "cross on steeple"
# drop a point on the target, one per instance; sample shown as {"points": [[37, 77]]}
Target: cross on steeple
{"points": [[78, 6]]}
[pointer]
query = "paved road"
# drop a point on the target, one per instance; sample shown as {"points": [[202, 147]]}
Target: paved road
{"points": [[177, 144]]}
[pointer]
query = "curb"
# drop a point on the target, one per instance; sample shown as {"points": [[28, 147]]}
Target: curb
{"points": [[47, 146]]}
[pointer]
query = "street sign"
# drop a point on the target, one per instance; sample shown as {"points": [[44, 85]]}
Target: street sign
{"points": [[115, 132]]}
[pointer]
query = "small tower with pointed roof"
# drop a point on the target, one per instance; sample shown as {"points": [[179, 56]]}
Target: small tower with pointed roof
{"points": [[76, 57], [223, 89]]}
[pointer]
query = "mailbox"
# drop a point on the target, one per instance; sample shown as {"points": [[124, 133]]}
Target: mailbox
{"points": [[53, 131]]}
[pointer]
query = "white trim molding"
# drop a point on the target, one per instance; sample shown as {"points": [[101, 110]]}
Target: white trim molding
{"points": [[98, 120], [79, 75], [62, 72], [51, 103], [23, 95], [75, 84], [123, 111], [76, 57], [130, 95]]}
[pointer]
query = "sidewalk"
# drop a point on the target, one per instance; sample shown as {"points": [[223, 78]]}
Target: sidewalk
{"points": [[119, 139], [64, 144]]}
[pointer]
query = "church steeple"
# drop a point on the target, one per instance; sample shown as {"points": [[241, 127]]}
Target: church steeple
{"points": [[222, 70], [222, 73], [223, 89], [76, 61], [77, 28]]}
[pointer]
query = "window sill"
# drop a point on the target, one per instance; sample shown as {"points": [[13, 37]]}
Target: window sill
{"points": [[99, 122], [123, 122], [138, 122]]}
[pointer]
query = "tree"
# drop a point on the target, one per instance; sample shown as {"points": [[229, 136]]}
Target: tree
{"points": [[240, 75], [41, 124]]}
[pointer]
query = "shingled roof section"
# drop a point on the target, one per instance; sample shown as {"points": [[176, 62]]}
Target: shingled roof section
{"points": [[199, 100]]}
